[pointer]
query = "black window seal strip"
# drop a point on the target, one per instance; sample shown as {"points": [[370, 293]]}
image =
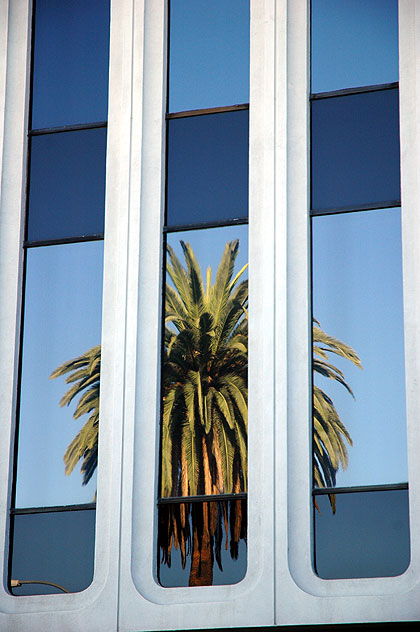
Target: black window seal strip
{"points": [[18, 511], [177, 228], [203, 111], [348, 91], [65, 240], [67, 128], [356, 207], [322, 491], [176, 500]]}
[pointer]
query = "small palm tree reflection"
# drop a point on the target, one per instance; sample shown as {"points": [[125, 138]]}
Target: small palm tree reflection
{"points": [[205, 411]]}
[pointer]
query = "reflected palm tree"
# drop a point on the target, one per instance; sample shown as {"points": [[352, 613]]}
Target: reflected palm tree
{"points": [[84, 377], [205, 406], [205, 410], [329, 433]]}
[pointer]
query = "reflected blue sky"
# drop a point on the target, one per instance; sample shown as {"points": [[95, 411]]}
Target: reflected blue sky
{"points": [[208, 245], [354, 43], [357, 297], [209, 54], [70, 79], [62, 320]]}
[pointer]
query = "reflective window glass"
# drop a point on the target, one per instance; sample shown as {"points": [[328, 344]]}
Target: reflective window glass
{"points": [[207, 168], [204, 402], [202, 543], [358, 300], [355, 150], [354, 43], [367, 536], [53, 547], [209, 54], [62, 322], [70, 68], [67, 184]]}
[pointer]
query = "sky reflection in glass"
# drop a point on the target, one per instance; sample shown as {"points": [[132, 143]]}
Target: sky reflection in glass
{"points": [[208, 245], [355, 150], [357, 297], [62, 320], [70, 79], [354, 43], [368, 536], [209, 54], [207, 168]]}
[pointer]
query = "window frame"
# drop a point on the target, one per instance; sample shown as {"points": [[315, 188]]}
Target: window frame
{"points": [[348, 591]]}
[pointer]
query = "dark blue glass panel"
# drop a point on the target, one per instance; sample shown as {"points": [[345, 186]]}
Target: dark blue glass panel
{"points": [[368, 536], [355, 150], [209, 54], [70, 70], [207, 168], [55, 547], [195, 549], [354, 43], [67, 184]]}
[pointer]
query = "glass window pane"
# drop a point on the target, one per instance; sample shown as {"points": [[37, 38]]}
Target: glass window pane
{"points": [[368, 536], [358, 299], [354, 43], [205, 364], [355, 150], [207, 168], [62, 321], [202, 544], [209, 54], [70, 68], [67, 184], [55, 547]]}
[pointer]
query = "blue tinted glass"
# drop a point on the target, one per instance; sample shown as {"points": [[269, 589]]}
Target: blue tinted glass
{"points": [[358, 299], [54, 547], [368, 536], [62, 321], [194, 547], [67, 184], [207, 168], [209, 54], [70, 70], [354, 43], [355, 150]]}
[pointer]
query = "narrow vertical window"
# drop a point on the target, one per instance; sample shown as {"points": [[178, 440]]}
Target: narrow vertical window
{"points": [[53, 504], [360, 488], [202, 504]]}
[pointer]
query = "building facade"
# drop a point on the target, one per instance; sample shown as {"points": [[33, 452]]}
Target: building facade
{"points": [[282, 584]]}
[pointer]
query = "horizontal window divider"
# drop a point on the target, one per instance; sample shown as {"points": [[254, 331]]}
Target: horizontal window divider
{"points": [[188, 113], [322, 491], [176, 500], [17, 511], [352, 209], [64, 240], [66, 128], [219, 224], [359, 90]]}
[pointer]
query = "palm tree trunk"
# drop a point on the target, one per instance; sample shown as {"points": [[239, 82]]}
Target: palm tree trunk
{"points": [[201, 573]]}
